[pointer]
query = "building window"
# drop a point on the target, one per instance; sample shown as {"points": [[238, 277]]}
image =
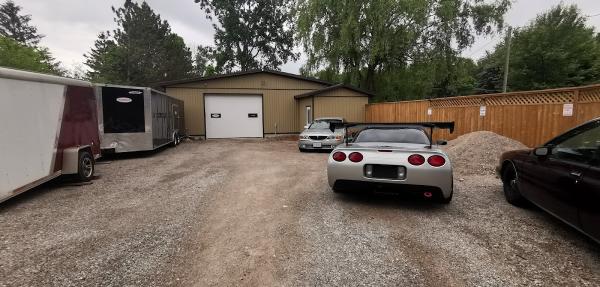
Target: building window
{"points": [[308, 115]]}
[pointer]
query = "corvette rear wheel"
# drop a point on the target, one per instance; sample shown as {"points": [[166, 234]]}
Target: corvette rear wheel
{"points": [[510, 181]]}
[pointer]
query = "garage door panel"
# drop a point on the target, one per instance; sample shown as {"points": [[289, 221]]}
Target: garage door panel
{"points": [[234, 116]]}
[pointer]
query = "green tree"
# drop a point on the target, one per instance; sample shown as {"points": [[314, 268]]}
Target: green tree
{"points": [[103, 60], [252, 34], [20, 56], [141, 51], [204, 61], [378, 45], [558, 49], [16, 26], [27, 54]]}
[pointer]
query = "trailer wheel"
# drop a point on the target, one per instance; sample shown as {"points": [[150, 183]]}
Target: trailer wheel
{"points": [[86, 166], [175, 141]]}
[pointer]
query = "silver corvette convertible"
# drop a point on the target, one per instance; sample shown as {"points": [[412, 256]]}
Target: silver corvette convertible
{"points": [[392, 157]]}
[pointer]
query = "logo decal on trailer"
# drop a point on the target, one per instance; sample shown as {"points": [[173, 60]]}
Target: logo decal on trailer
{"points": [[124, 100], [135, 92]]}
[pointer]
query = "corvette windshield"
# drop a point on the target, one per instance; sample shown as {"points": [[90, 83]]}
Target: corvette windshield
{"points": [[402, 135]]}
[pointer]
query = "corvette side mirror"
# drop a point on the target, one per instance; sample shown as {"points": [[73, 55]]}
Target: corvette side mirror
{"points": [[541, 151], [441, 142]]}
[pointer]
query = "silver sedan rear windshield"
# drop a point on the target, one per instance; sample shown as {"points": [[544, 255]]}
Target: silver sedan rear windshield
{"points": [[397, 135]]}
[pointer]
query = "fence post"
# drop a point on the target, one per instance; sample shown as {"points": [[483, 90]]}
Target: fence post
{"points": [[575, 117], [482, 120]]}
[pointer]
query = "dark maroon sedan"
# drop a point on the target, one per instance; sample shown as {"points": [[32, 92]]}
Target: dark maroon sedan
{"points": [[561, 177]]}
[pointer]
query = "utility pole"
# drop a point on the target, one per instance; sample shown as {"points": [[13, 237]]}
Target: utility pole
{"points": [[507, 63]]}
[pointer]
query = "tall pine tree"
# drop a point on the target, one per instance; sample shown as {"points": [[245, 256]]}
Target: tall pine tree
{"points": [[19, 43], [141, 51], [16, 26]]}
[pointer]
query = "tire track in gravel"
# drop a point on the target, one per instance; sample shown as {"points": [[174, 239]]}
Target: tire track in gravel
{"points": [[246, 219]]}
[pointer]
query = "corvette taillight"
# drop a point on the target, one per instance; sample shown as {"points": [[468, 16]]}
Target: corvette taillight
{"points": [[339, 156], [355, 157], [436, 160], [416, 159]]}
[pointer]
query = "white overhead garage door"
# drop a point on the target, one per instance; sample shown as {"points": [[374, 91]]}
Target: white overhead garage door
{"points": [[233, 116]]}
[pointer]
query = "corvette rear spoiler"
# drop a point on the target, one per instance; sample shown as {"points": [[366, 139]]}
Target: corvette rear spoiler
{"points": [[430, 125]]}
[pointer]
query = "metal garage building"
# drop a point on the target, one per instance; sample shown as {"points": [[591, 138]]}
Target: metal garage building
{"points": [[262, 102]]}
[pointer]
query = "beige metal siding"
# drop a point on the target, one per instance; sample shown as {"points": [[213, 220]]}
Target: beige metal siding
{"points": [[344, 103], [302, 104], [193, 109], [342, 92]]}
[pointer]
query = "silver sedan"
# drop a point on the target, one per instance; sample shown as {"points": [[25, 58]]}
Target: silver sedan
{"points": [[400, 160], [320, 135]]}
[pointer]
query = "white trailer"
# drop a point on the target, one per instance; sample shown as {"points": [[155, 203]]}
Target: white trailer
{"points": [[48, 127]]}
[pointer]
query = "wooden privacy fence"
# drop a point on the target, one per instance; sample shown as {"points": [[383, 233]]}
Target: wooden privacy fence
{"points": [[531, 117]]}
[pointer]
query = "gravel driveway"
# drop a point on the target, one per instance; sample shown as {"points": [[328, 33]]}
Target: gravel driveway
{"points": [[259, 213]]}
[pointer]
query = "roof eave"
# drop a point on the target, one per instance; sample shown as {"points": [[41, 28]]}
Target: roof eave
{"points": [[332, 88], [250, 72]]}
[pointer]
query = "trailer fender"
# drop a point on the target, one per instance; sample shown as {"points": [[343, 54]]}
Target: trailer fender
{"points": [[71, 158]]}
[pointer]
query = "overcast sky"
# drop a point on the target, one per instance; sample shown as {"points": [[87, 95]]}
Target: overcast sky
{"points": [[72, 26]]}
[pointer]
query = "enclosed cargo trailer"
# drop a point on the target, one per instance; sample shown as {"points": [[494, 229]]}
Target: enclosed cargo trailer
{"points": [[137, 118], [48, 128]]}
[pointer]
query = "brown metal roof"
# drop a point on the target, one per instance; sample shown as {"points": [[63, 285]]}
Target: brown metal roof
{"points": [[251, 72], [334, 87]]}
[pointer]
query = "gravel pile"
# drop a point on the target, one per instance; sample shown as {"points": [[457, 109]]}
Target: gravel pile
{"points": [[477, 153]]}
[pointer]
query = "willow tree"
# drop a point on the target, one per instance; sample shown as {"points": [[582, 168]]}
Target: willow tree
{"points": [[363, 40]]}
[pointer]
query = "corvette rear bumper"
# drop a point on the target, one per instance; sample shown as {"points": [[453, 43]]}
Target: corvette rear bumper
{"points": [[355, 185], [418, 178]]}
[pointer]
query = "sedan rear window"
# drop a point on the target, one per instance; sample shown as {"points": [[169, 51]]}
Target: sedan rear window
{"points": [[397, 135]]}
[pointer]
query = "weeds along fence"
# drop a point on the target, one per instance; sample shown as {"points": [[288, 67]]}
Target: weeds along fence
{"points": [[531, 117]]}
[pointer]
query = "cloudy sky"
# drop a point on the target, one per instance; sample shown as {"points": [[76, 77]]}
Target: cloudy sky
{"points": [[71, 26]]}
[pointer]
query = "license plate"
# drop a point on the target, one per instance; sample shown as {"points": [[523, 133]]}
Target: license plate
{"points": [[316, 144], [385, 171]]}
